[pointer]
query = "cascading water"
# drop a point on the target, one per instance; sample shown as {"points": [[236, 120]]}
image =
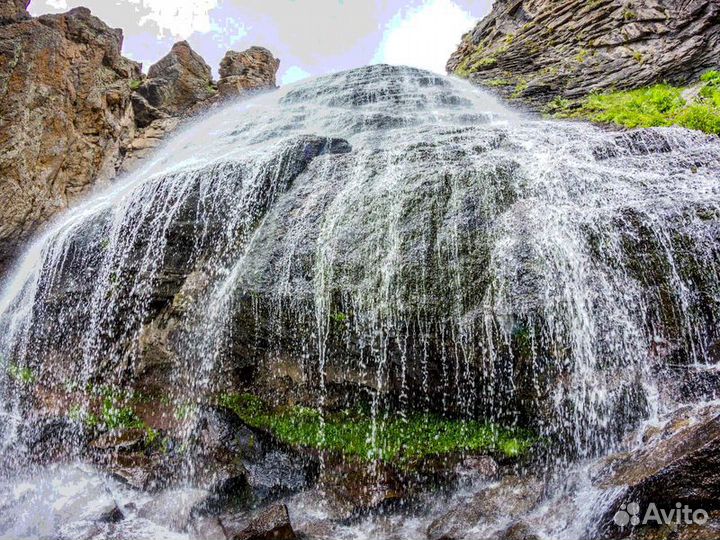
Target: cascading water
{"points": [[384, 233]]}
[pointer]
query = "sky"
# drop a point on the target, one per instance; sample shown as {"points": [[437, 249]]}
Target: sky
{"points": [[311, 37]]}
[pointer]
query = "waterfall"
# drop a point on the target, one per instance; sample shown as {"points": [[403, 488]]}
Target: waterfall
{"points": [[391, 233]]}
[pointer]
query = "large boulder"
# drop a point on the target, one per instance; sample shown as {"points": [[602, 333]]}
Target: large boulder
{"points": [[678, 462], [272, 523], [535, 50], [66, 115], [512, 497], [249, 70], [175, 83]]}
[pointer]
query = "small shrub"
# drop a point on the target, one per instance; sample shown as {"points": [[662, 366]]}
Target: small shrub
{"points": [[135, 84], [629, 15], [701, 117]]}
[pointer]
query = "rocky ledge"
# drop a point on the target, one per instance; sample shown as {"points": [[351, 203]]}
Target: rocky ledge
{"points": [[74, 112], [535, 51]]}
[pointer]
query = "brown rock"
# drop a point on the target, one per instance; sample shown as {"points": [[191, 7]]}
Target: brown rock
{"points": [[679, 463], [13, 10], [252, 69], [65, 116], [271, 524], [536, 50], [255, 63], [177, 82]]}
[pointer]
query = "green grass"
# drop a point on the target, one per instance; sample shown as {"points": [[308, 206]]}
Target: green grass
{"points": [[396, 440], [661, 105]]}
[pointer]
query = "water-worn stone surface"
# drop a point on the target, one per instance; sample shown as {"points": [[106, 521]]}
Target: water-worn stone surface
{"points": [[678, 462], [505, 500], [536, 50]]}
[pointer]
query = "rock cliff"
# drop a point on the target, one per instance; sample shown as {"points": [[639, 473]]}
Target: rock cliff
{"points": [[536, 50], [74, 112], [65, 114]]}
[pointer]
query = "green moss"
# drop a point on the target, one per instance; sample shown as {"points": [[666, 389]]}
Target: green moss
{"points": [[135, 84], [478, 60], [519, 89], [350, 433], [629, 15], [638, 56], [498, 82], [339, 318], [582, 55], [20, 374]]}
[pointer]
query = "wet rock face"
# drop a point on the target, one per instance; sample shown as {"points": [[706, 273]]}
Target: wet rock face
{"points": [[175, 83], [271, 524], [66, 115], [510, 498], [535, 50], [679, 462]]}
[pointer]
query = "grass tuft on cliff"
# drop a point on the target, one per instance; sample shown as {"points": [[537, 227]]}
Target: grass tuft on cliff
{"points": [[351, 433], [661, 105]]}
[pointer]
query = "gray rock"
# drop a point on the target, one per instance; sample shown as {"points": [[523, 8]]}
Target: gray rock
{"points": [[678, 462], [536, 50], [510, 498]]}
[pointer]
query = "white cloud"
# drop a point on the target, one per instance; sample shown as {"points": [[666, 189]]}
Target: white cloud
{"points": [[294, 74], [424, 36], [177, 19]]}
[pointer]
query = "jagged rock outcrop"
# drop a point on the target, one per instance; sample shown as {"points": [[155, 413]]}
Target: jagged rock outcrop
{"points": [[180, 86], [74, 112], [245, 71], [677, 463], [174, 84], [536, 50], [65, 114]]}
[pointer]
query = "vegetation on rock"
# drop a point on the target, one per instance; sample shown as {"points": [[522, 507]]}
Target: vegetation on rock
{"points": [[550, 49], [354, 434], [655, 106]]}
